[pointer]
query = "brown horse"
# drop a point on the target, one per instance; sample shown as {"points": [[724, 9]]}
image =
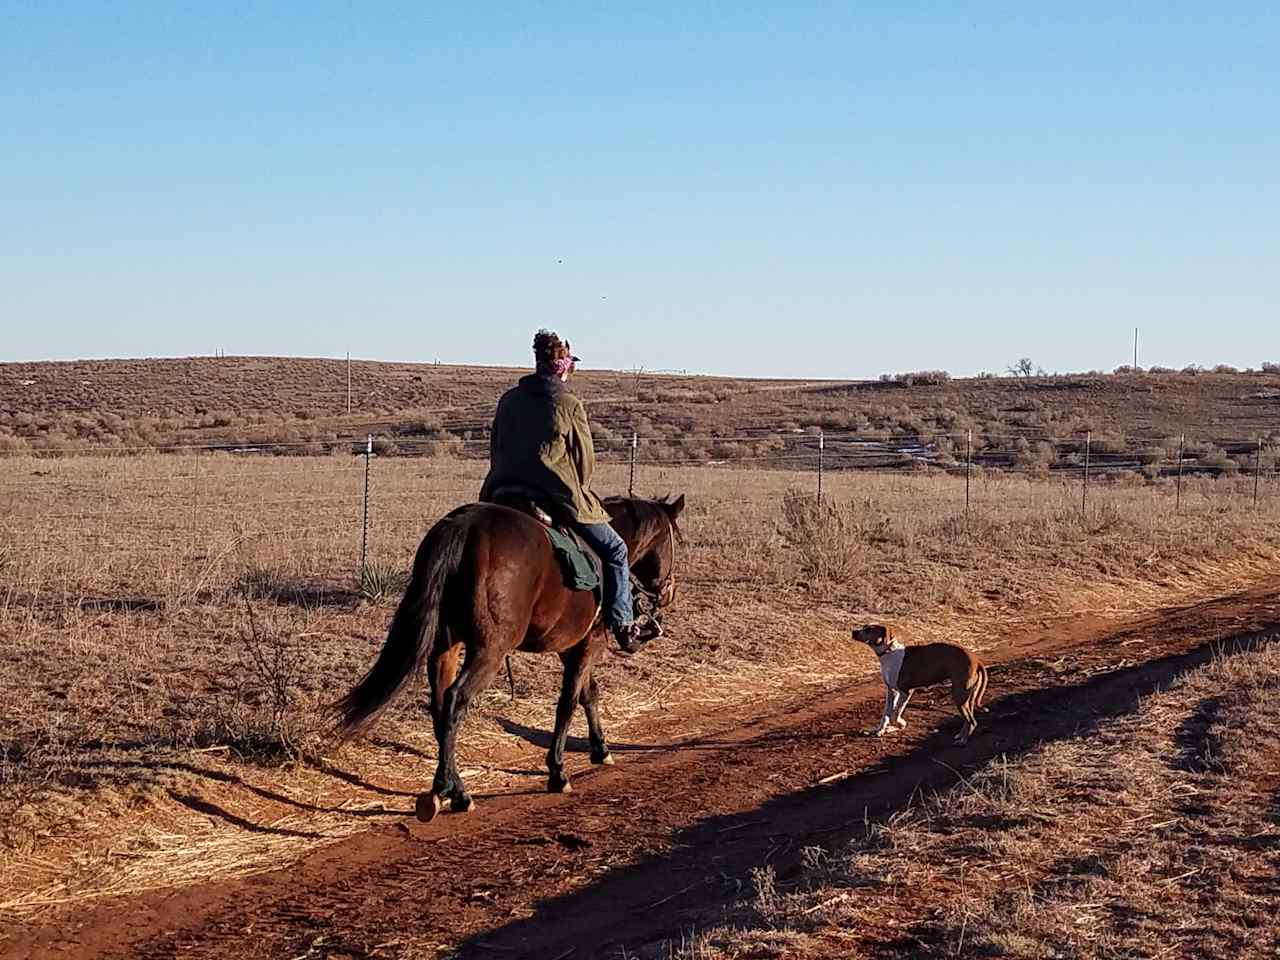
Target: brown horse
{"points": [[486, 581]]}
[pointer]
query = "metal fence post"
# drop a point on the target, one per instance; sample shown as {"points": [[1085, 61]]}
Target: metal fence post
{"points": [[968, 469], [364, 534], [631, 480], [1257, 470], [1182, 443], [822, 443], [1084, 495]]}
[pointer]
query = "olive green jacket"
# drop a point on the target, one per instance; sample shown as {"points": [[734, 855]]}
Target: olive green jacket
{"points": [[541, 442]]}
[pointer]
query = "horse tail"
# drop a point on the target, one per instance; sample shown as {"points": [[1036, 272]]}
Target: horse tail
{"points": [[416, 620]]}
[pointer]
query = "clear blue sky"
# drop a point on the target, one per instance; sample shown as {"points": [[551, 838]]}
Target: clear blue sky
{"points": [[765, 189]]}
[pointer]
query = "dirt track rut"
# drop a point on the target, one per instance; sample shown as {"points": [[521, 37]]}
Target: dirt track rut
{"points": [[642, 851]]}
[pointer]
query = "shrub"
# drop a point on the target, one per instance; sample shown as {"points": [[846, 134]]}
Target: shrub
{"points": [[382, 581], [924, 378], [824, 536], [1219, 462], [444, 445]]}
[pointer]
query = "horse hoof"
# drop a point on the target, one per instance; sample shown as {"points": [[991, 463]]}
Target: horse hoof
{"points": [[560, 786], [427, 807], [605, 761], [462, 805]]}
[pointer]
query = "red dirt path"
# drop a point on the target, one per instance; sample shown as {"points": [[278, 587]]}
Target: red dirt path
{"points": [[644, 851]]}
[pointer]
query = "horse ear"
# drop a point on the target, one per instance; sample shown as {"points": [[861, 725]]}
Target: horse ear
{"points": [[676, 507]]}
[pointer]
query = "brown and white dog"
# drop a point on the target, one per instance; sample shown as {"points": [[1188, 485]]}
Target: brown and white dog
{"points": [[906, 668]]}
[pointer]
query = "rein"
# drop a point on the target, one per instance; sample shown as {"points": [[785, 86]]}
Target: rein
{"points": [[654, 596]]}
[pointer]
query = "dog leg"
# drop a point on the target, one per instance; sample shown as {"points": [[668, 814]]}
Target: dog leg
{"points": [[902, 707], [889, 696], [966, 702]]}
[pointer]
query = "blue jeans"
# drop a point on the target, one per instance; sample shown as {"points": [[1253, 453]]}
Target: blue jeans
{"points": [[612, 550]]}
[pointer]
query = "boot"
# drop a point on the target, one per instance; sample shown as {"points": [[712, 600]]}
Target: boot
{"points": [[631, 637]]}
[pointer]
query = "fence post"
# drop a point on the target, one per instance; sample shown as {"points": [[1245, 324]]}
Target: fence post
{"points": [[631, 480], [968, 468], [1084, 495], [822, 443], [195, 494], [1182, 443], [1257, 470], [364, 526]]}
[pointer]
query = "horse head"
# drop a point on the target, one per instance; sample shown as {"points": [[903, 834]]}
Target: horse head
{"points": [[652, 532]]}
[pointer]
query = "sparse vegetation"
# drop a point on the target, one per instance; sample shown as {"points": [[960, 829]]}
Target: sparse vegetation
{"points": [[420, 410], [133, 682], [1171, 817]]}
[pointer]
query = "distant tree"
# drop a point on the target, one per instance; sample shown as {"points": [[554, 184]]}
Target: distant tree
{"points": [[1025, 367]]}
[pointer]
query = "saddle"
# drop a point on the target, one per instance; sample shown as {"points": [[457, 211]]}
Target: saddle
{"points": [[580, 566]]}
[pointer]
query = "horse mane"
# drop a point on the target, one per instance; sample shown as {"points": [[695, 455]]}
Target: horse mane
{"points": [[649, 516]]}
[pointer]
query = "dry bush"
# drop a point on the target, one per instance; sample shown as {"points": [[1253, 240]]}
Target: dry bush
{"points": [[828, 537]]}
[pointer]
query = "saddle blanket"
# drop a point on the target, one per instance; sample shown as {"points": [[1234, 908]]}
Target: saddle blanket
{"points": [[578, 563]]}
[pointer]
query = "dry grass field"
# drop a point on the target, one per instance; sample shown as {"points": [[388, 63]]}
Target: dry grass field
{"points": [[1154, 835], [173, 625], [174, 622]]}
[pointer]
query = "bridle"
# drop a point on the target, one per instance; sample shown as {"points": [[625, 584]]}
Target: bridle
{"points": [[653, 597]]}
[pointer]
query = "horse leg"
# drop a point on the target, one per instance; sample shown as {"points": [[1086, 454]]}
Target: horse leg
{"points": [[575, 671], [477, 673], [442, 671], [590, 693]]}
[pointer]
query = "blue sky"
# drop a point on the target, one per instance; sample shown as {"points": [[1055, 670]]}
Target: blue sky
{"points": [[785, 190]]}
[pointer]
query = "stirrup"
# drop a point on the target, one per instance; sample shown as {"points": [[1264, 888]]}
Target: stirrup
{"points": [[640, 635]]}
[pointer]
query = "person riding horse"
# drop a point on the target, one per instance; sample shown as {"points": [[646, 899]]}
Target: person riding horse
{"points": [[486, 583], [540, 448]]}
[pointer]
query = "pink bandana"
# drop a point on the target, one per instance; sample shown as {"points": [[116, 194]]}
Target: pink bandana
{"points": [[562, 366]]}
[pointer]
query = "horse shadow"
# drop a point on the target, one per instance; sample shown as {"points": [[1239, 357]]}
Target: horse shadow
{"points": [[542, 738]]}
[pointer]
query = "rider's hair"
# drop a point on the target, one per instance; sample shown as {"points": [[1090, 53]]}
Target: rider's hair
{"points": [[548, 348]]}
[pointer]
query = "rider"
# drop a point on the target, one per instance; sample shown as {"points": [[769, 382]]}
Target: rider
{"points": [[541, 442]]}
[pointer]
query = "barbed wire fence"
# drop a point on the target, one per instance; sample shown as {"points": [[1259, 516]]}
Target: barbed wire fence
{"points": [[270, 491]]}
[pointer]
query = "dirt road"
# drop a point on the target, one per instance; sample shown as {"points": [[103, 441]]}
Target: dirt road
{"points": [[642, 852]]}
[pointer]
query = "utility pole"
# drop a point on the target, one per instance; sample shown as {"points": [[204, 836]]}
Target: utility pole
{"points": [[348, 381], [1135, 349]]}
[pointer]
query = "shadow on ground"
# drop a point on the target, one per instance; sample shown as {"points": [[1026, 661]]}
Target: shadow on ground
{"points": [[662, 897]]}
